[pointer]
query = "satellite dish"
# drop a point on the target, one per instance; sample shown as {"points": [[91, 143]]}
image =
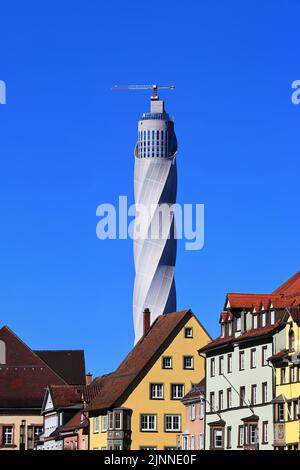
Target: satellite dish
{"points": [[295, 358]]}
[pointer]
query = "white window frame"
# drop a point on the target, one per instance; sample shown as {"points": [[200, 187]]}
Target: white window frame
{"points": [[191, 365], [192, 442], [148, 427], [172, 416], [104, 423], [96, 425], [201, 408], [170, 362], [157, 391], [176, 395], [201, 441]]}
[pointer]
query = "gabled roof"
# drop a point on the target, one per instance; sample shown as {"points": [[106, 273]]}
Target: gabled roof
{"points": [[64, 396], [196, 391], [289, 288], [25, 375], [69, 364], [250, 334], [114, 387]]}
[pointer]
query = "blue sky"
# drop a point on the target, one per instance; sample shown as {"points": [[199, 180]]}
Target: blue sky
{"points": [[66, 146]]}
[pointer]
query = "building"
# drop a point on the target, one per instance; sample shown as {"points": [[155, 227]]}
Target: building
{"points": [[64, 424], [286, 364], [139, 405], [24, 375], [155, 187], [194, 402], [239, 378]]}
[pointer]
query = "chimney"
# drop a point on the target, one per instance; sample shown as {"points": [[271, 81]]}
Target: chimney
{"points": [[88, 378], [146, 321]]}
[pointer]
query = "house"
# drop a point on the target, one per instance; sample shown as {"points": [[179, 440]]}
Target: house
{"points": [[139, 404], [64, 424], [286, 365], [24, 375], [239, 378], [194, 402]]}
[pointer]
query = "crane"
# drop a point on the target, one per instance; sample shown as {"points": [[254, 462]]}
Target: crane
{"points": [[145, 87]]}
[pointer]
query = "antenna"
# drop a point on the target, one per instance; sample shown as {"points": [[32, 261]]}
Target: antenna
{"points": [[154, 88]]}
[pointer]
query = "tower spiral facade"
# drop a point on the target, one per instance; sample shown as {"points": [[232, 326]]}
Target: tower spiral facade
{"points": [[155, 188]]}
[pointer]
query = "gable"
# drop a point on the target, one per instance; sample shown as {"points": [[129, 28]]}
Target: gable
{"points": [[17, 352], [48, 405]]}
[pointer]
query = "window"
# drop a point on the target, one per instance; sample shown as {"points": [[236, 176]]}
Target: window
{"points": [[148, 422], [185, 443], [229, 437], [104, 423], [217, 438], [292, 374], [238, 324], [241, 436], [292, 340], [289, 407], [156, 391], [229, 328], [192, 412], [110, 421], [242, 396], [177, 391], [282, 375], [221, 404], [221, 365], [7, 435], [242, 360], [172, 423], [212, 368], [147, 448], [96, 424], [295, 409], [188, 332], [254, 321], [264, 319], [117, 420], [252, 434], [298, 374], [253, 358], [229, 398], [212, 401], [264, 392], [188, 362], [229, 363], [281, 412], [222, 330], [265, 432], [167, 362], [201, 441], [201, 409], [253, 394], [264, 351], [192, 442]]}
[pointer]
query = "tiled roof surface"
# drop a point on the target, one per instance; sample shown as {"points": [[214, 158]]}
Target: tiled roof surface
{"points": [[195, 392], [253, 333], [65, 395], [69, 364], [137, 362], [76, 422]]}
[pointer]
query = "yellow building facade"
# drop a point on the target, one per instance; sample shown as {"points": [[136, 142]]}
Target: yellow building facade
{"points": [[153, 405], [287, 387]]}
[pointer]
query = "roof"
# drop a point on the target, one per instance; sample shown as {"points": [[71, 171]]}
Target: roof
{"points": [[251, 418], [114, 387], [77, 421], [253, 333], [291, 287], [65, 395], [278, 356], [279, 399], [69, 364], [195, 392], [25, 375]]}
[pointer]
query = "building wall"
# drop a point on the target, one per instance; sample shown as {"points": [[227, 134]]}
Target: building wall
{"points": [[139, 401], [16, 421], [234, 380], [193, 427]]}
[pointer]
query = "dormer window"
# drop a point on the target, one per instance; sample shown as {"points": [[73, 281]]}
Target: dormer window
{"points": [[2, 352], [254, 321], [264, 319], [222, 330], [229, 328], [238, 324], [292, 340]]}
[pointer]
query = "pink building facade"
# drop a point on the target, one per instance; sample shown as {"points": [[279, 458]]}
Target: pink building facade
{"points": [[193, 435]]}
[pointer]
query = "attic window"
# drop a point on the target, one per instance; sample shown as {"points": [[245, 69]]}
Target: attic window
{"points": [[264, 319], [222, 330], [2, 352], [254, 321], [188, 332], [238, 324], [272, 317]]}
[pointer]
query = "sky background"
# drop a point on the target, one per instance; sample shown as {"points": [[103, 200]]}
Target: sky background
{"points": [[66, 146]]}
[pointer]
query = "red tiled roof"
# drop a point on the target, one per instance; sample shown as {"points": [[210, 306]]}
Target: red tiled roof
{"points": [[278, 356], [77, 421], [253, 333], [250, 300], [65, 395], [195, 392], [136, 364], [289, 288]]}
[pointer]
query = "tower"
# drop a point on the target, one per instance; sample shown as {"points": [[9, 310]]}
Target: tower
{"points": [[155, 187]]}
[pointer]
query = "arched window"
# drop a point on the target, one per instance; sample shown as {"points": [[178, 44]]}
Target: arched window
{"points": [[291, 340], [2, 352]]}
